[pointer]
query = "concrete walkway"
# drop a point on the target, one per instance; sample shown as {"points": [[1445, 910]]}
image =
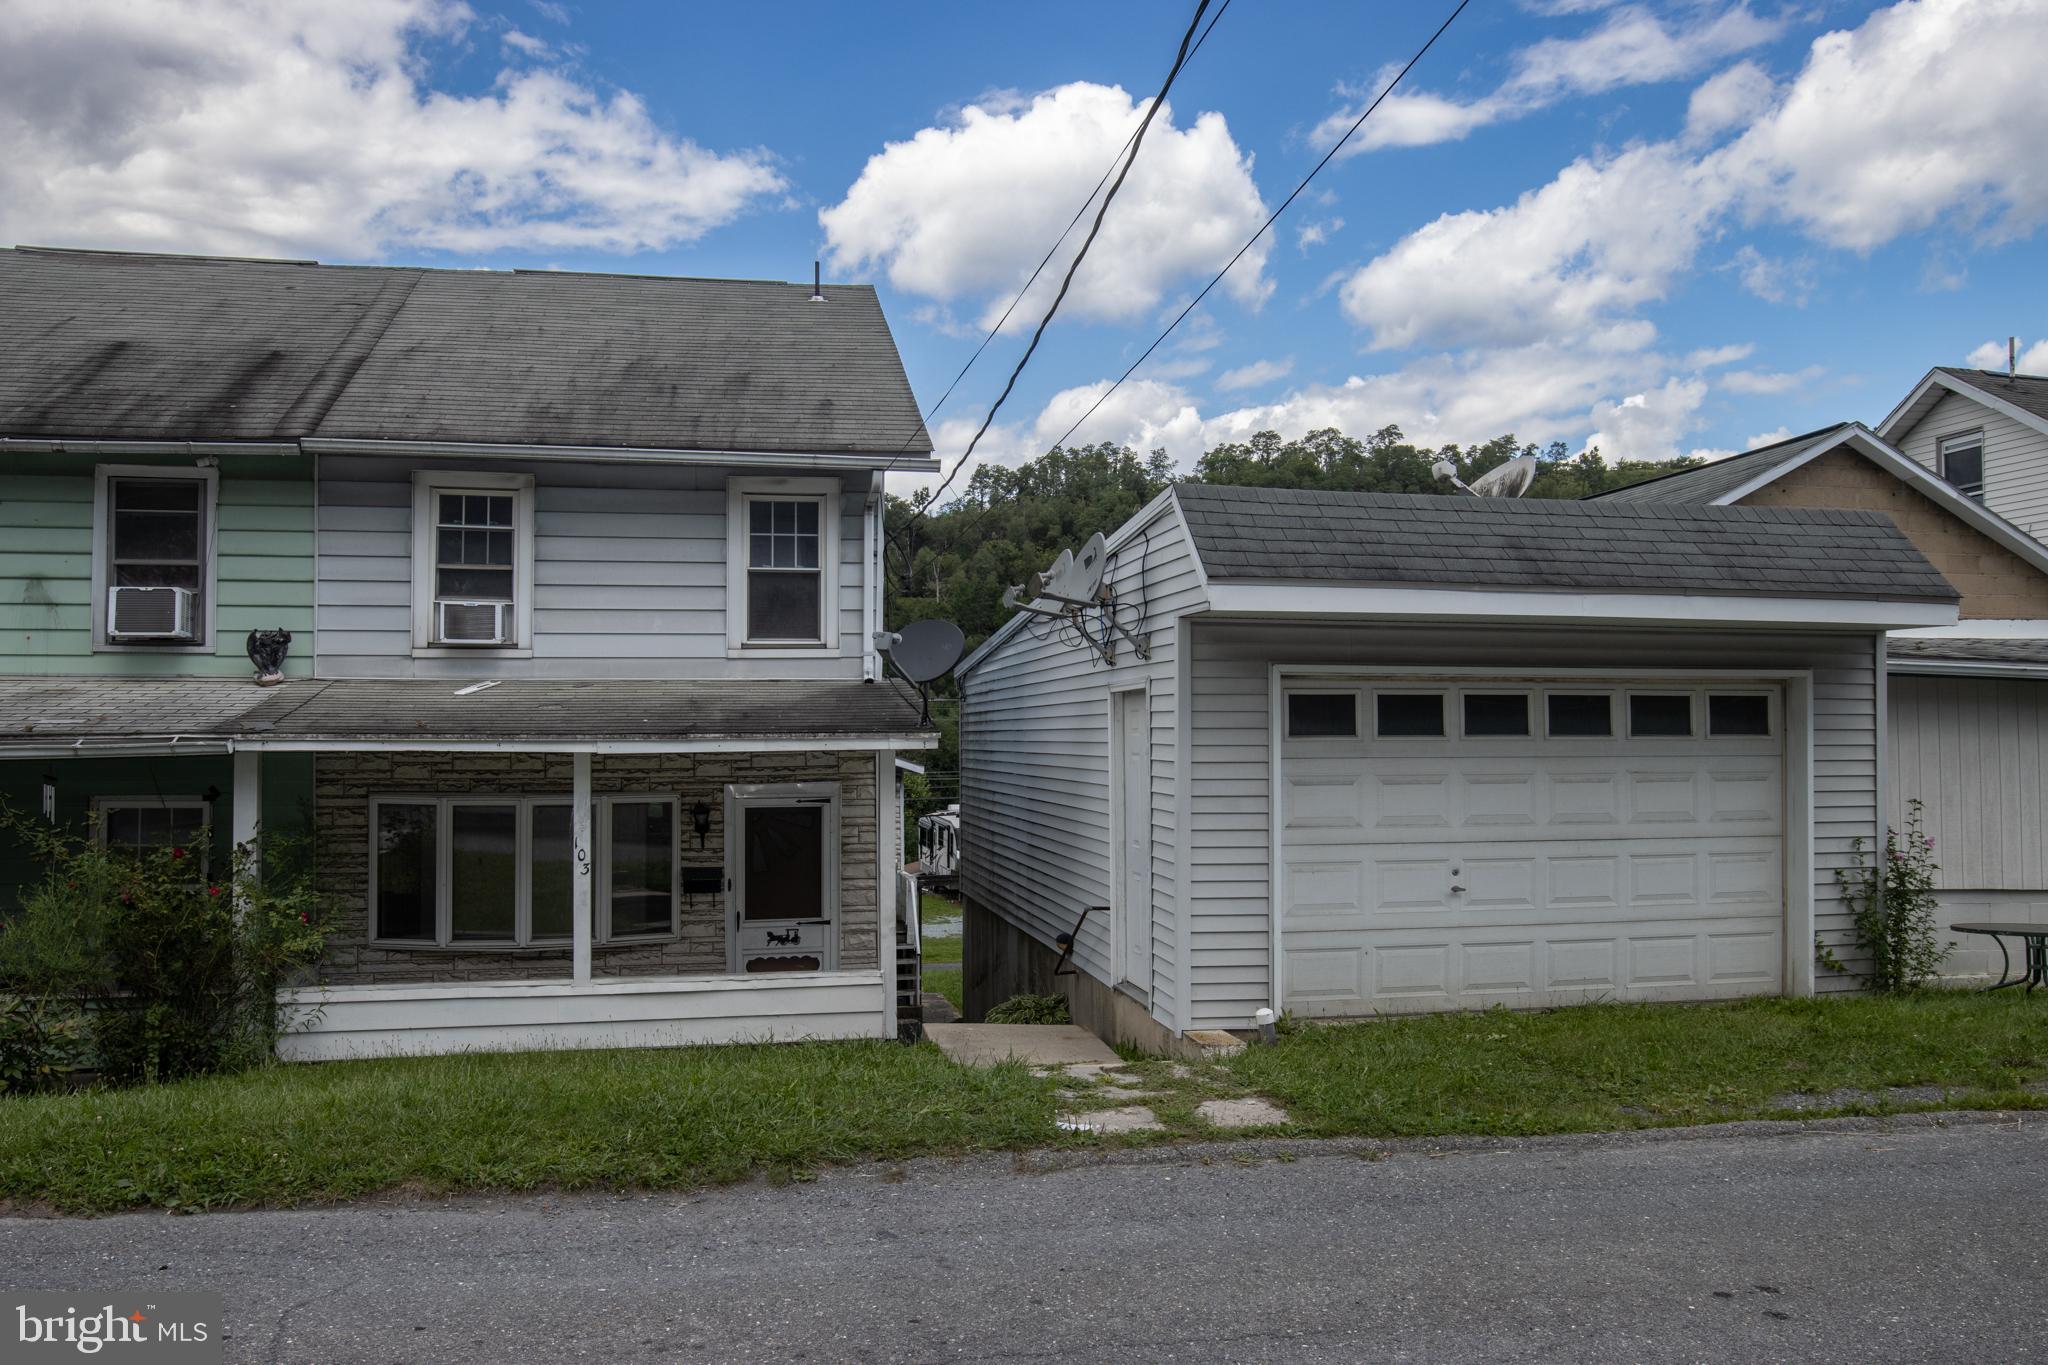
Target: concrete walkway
{"points": [[1035, 1044]]}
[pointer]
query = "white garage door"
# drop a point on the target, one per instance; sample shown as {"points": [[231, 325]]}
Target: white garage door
{"points": [[1456, 844]]}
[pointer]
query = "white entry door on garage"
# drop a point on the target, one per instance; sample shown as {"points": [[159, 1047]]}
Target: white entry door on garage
{"points": [[1455, 843]]}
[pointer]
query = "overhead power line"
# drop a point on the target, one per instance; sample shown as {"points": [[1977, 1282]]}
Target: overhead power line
{"points": [[1334, 149], [1109, 197], [925, 422]]}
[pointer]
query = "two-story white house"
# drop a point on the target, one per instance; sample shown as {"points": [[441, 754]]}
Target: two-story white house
{"points": [[582, 705]]}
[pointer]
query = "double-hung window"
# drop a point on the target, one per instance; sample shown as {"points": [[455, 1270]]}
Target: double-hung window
{"points": [[485, 871], [1961, 460], [142, 824], [783, 551], [153, 557], [472, 561]]}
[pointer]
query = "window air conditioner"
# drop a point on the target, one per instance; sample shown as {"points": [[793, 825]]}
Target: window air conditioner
{"points": [[471, 623], [149, 613]]}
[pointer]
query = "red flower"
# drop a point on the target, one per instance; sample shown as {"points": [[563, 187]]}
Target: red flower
{"points": [[303, 919], [213, 891], [177, 853]]}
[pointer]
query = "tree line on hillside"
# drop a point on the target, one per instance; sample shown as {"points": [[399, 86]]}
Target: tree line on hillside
{"points": [[954, 562]]}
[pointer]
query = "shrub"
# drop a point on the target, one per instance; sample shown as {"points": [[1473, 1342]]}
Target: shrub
{"points": [[1032, 1009], [1894, 906], [144, 967]]}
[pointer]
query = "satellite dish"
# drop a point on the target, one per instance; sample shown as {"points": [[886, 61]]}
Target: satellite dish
{"points": [[926, 651], [1037, 585], [1510, 480], [1077, 579]]}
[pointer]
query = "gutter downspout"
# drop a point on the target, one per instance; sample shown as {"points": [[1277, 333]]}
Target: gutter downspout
{"points": [[871, 600]]}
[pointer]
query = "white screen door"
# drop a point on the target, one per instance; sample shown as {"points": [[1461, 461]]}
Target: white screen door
{"points": [[1131, 742]]}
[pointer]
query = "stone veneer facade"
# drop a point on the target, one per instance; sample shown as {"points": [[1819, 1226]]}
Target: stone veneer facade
{"points": [[344, 784]]}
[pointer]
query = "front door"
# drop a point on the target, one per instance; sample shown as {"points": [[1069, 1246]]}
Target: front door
{"points": [[1131, 744], [783, 874]]}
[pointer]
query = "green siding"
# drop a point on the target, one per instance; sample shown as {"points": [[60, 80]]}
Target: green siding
{"points": [[287, 798], [264, 570]]}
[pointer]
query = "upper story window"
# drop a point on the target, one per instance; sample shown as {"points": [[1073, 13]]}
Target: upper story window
{"points": [[1961, 462], [472, 569], [783, 551], [153, 560]]}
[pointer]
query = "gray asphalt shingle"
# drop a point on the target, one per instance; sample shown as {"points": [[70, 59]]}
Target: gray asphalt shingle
{"points": [[1707, 482], [119, 345], [1295, 535], [2025, 391]]}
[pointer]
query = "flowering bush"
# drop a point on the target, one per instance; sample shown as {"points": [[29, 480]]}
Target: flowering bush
{"points": [[144, 965], [1894, 906]]}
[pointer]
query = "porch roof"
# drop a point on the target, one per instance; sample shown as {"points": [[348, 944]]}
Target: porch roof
{"points": [[313, 713]]}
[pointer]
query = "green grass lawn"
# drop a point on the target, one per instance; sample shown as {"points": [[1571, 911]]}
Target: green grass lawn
{"points": [[1631, 1066], [681, 1117], [942, 955], [655, 1117]]}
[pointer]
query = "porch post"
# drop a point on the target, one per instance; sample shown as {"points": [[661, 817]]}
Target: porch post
{"points": [[888, 859], [247, 799], [585, 853]]}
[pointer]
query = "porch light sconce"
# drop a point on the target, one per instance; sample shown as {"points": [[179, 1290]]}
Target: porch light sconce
{"points": [[700, 820]]}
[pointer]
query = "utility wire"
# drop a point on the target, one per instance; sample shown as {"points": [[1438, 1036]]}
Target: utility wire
{"points": [[1137, 141], [1334, 149], [1327, 156], [924, 424]]}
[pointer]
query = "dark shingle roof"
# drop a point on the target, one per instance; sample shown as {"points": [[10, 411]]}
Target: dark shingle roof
{"points": [[1971, 650], [1289, 535], [548, 710], [115, 345], [1707, 482], [46, 709], [2025, 391], [34, 709]]}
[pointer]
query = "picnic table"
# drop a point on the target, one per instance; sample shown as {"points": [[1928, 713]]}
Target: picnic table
{"points": [[2034, 937]]}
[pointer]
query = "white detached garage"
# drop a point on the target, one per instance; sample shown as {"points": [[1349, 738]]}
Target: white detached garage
{"points": [[1388, 753]]}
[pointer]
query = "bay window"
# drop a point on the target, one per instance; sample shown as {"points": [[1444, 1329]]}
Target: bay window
{"points": [[488, 871]]}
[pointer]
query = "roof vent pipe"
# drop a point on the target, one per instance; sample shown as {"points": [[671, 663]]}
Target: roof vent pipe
{"points": [[817, 283], [2012, 357]]}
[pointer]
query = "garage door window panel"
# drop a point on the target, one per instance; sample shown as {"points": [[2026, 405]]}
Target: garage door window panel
{"points": [[1580, 715], [1409, 715], [1660, 715], [1497, 714], [1739, 714], [1322, 715]]}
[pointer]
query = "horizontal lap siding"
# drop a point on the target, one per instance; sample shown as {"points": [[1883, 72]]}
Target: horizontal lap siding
{"points": [[1230, 839], [1974, 751], [2015, 457], [629, 576], [1035, 795], [263, 576]]}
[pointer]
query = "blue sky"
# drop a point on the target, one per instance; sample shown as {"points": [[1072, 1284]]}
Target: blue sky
{"points": [[1658, 228]]}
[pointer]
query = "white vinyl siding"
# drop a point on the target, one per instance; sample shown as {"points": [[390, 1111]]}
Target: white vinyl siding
{"points": [[629, 576], [2015, 457], [1228, 877], [1035, 755], [1974, 751]]}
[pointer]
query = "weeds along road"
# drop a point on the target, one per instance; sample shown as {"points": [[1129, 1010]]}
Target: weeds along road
{"points": [[1908, 1241]]}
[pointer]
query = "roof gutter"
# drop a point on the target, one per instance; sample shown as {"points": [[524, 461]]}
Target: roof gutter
{"points": [[68, 445], [1294, 600], [126, 746], [473, 450], [1963, 668]]}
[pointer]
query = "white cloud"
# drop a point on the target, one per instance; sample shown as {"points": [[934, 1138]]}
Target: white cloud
{"points": [[1733, 99], [1770, 381], [1992, 356], [1710, 357], [207, 125], [965, 210], [1317, 232], [1145, 414], [525, 43], [1767, 438], [1929, 113], [1630, 46], [1612, 234], [1253, 375], [548, 9], [1647, 424], [1600, 239]]}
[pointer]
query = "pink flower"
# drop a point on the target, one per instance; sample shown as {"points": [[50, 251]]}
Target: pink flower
{"points": [[304, 918], [177, 853]]}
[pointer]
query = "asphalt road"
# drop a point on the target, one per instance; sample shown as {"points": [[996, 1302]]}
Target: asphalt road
{"points": [[1911, 1243]]}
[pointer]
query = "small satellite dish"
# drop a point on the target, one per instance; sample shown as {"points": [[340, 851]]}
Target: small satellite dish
{"points": [[1510, 480], [1076, 579], [1037, 585], [926, 651]]}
